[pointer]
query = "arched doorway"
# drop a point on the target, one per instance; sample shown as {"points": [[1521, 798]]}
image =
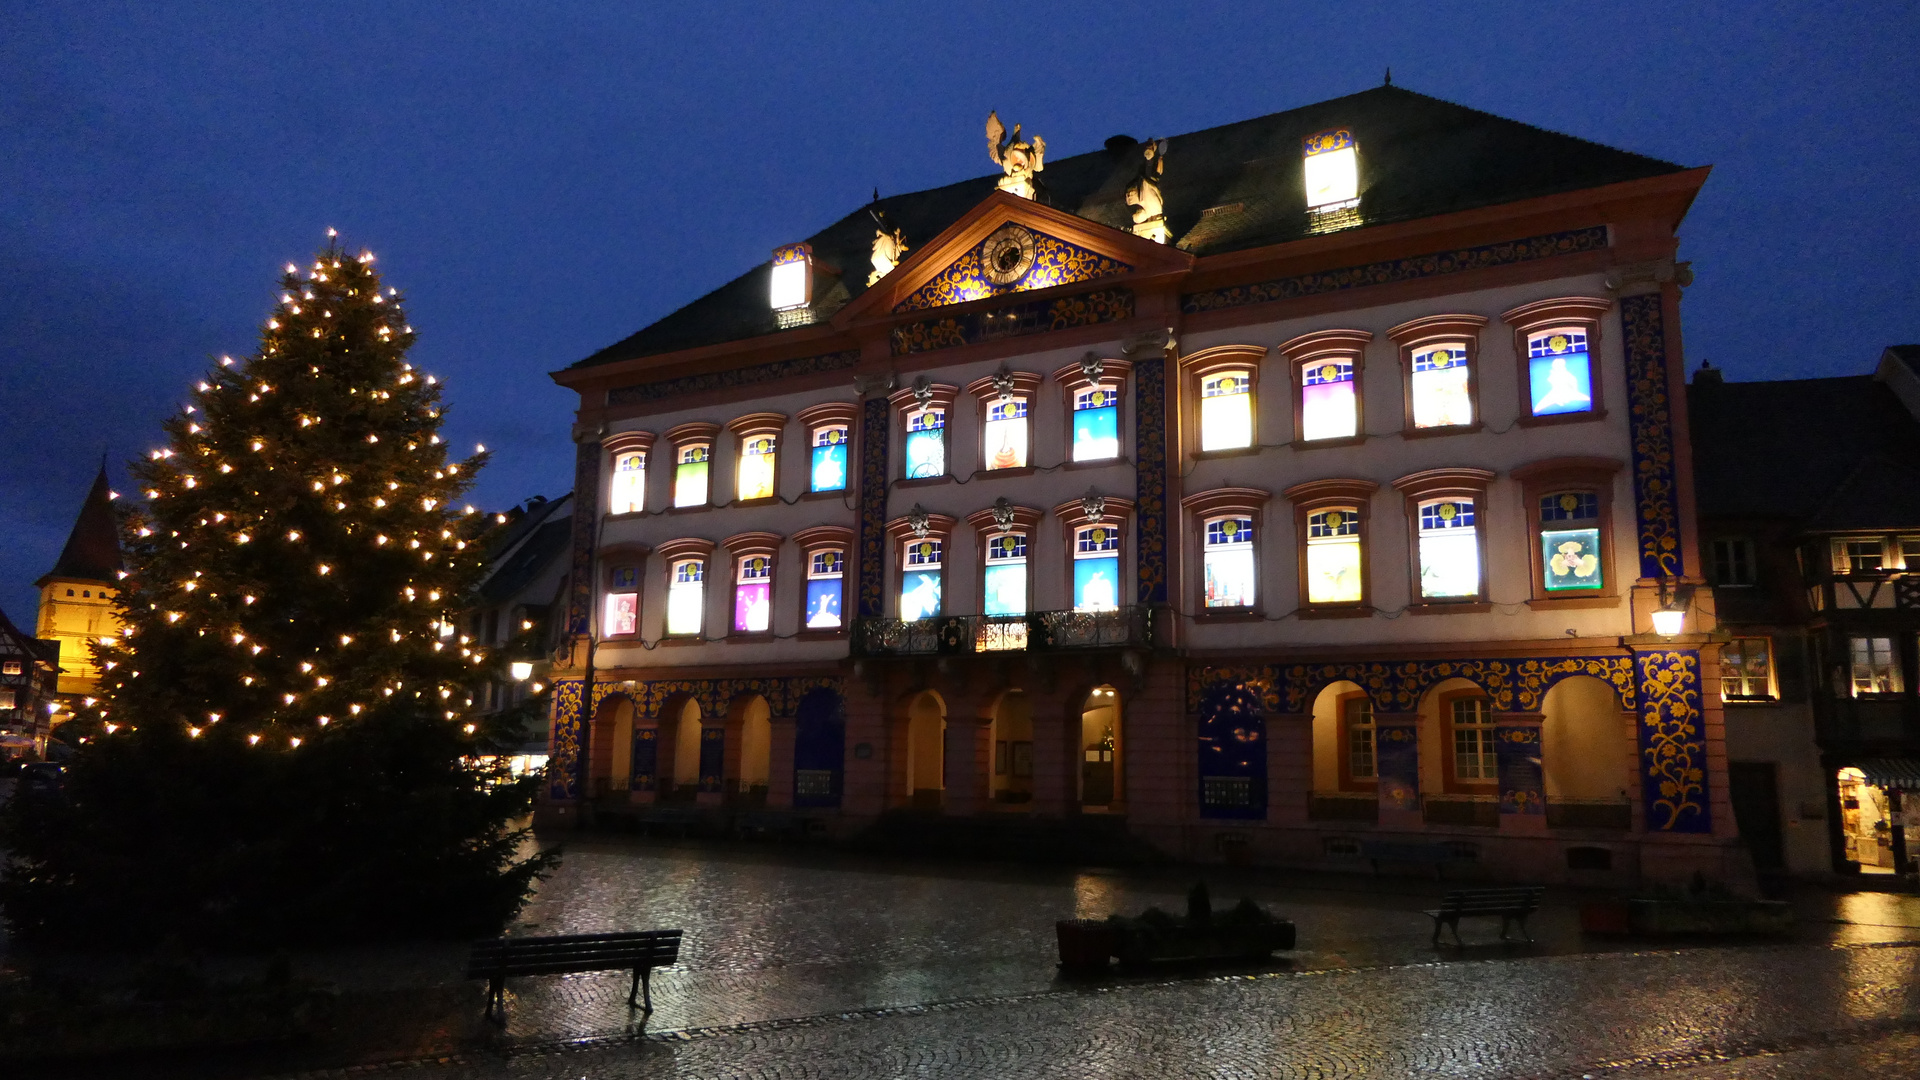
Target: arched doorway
{"points": [[682, 717], [1346, 772], [1013, 750], [926, 750], [749, 727], [1587, 755], [612, 733], [819, 749], [1100, 750], [1459, 767], [1233, 753]]}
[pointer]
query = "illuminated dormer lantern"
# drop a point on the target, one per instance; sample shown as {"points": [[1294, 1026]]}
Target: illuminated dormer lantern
{"points": [[792, 278], [1332, 171]]}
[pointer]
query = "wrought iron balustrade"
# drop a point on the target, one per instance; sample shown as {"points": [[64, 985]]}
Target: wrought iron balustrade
{"points": [[1038, 632]]}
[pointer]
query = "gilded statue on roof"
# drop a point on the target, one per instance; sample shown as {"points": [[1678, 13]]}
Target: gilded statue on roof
{"points": [[1017, 157], [1143, 195]]}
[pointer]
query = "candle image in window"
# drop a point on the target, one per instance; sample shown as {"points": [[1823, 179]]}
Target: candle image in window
{"points": [[629, 483], [1096, 569], [1449, 550], [1005, 435], [690, 476], [1333, 557], [1559, 372], [1327, 409], [824, 577], [1228, 563], [1006, 575], [829, 459], [686, 595], [920, 580], [1441, 397], [1226, 411], [1570, 542], [756, 467], [753, 595], [1096, 424], [927, 444]]}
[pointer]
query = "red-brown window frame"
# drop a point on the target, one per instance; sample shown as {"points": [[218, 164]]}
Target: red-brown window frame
{"points": [[905, 403], [828, 414], [613, 557], [678, 438], [899, 534], [1073, 378], [1541, 315], [1449, 767], [1420, 333], [986, 392], [1114, 514], [1026, 520], [1322, 345], [1316, 495], [744, 546], [809, 542], [627, 442], [1224, 502], [1427, 486], [680, 550], [744, 428], [1561, 474], [1194, 370]]}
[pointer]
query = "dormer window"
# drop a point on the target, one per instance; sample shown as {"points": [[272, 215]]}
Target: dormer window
{"points": [[1332, 171], [792, 278]]}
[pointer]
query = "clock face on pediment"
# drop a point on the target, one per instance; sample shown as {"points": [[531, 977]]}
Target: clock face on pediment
{"points": [[1012, 259], [1007, 255]]}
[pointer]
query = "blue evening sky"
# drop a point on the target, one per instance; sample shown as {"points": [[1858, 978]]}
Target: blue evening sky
{"points": [[543, 179]]}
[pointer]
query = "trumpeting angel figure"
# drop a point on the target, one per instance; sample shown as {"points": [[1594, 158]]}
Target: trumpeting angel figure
{"points": [[1019, 159]]}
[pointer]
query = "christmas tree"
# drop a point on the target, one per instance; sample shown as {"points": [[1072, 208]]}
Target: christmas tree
{"points": [[285, 731]]}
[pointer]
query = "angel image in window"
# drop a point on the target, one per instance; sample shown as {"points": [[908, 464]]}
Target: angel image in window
{"points": [[1564, 389]]}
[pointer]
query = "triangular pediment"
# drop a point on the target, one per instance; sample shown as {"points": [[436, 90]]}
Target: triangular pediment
{"points": [[1007, 245]]}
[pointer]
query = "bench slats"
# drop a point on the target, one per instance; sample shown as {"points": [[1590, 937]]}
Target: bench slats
{"points": [[499, 959]]}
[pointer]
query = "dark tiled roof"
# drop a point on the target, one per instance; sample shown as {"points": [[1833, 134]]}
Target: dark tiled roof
{"points": [[1908, 355], [48, 651], [93, 548], [1829, 453], [1226, 188], [548, 542]]}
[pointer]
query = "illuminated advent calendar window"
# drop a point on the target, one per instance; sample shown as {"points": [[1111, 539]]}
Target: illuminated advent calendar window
{"points": [[1096, 424], [623, 602], [629, 483], [1096, 569], [690, 476], [1226, 411], [826, 574], [1570, 542], [1442, 396], [1227, 563], [927, 444], [829, 471], [1004, 438], [1559, 372], [1333, 556], [1449, 550], [920, 579], [753, 594], [1332, 171], [1005, 576], [1328, 409], [686, 596], [757, 458]]}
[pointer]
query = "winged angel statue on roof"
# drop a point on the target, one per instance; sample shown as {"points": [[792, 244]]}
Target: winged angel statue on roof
{"points": [[1019, 159]]}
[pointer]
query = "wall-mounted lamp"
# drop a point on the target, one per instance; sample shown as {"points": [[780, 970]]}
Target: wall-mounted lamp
{"points": [[1670, 618], [522, 670]]}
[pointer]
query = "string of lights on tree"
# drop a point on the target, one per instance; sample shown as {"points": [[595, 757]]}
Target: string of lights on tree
{"points": [[300, 552]]}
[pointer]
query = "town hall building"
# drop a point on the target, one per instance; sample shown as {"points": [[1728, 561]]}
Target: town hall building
{"points": [[1309, 490]]}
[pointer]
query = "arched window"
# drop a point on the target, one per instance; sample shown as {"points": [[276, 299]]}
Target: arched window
{"points": [[1096, 423], [829, 471], [1227, 563], [1569, 503], [921, 565], [1449, 540], [1559, 365], [621, 617], [1004, 577], [1226, 410], [686, 596], [826, 578], [629, 483], [1570, 542], [1335, 563], [757, 457], [1003, 437], [1327, 367], [753, 594]]}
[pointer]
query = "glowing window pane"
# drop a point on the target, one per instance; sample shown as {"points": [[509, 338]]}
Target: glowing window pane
{"points": [[1005, 578], [1096, 424], [686, 596], [1473, 753], [1005, 435], [1449, 550], [1332, 170], [1441, 397], [1096, 569], [1327, 407], [1570, 559], [789, 287], [757, 457], [752, 594], [824, 577], [927, 444], [1226, 411], [1333, 557], [1559, 372], [629, 483], [623, 614], [1227, 563], [690, 476], [829, 459], [920, 580]]}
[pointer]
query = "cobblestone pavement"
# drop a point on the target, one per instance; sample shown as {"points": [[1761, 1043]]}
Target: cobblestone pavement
{"points": [[1796, 1010]]}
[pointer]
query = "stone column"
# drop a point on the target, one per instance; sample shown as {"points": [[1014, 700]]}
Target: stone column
{"points": [[866, 782], [713, 753], [968, 760], [780, 762], [1396, 741], [1056, 758], [1289, 767], [1517, 751]]}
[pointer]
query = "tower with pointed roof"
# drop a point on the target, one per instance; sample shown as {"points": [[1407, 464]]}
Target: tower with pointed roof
{"points": [[76, 596]]}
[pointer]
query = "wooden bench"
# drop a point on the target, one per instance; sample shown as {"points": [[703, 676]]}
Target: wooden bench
{"points": [[1510, 905], [498, 959]]}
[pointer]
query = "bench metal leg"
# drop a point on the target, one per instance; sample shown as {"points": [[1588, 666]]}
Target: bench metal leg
{"points": [[646, 987], [497, 996], [634, 990]]}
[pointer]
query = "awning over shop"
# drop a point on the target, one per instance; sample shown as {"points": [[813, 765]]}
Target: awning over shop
{"points": [[1901, 773]]}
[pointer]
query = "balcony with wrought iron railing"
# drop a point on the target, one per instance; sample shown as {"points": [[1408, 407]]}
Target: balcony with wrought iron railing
{"points": [[1041, 631]]}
